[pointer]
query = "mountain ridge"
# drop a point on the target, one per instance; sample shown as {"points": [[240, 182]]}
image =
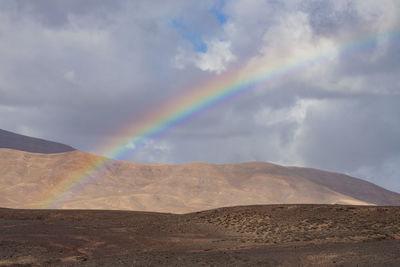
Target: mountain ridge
{"points": [[27, 178], [31, 144]]}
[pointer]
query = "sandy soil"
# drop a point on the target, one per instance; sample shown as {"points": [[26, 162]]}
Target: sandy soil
{"points": [[269, 235]]}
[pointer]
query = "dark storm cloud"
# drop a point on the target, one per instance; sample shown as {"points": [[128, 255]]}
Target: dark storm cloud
{"points": [[368, 136], [78, 71]]}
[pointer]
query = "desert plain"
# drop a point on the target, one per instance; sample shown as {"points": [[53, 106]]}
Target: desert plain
{"points": [[260, 235]]}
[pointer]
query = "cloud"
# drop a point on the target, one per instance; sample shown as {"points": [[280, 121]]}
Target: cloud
{"points": [[80, 71], [215, 59], [386, 174]]}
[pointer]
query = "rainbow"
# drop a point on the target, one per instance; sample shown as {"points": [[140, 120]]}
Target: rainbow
{"points": [[181, 109]]}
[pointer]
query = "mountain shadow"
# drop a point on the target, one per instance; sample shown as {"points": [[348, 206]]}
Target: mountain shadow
{"points": [[30, 144]]}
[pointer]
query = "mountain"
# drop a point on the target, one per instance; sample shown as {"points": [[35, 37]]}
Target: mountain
{"points": [[28, 179], [30, 144]]}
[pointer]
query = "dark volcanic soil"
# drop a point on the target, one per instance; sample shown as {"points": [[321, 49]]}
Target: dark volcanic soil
{"points": [[273, 235]]}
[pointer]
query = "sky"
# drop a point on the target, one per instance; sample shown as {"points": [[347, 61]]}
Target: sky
{"points": [[81, 71]]}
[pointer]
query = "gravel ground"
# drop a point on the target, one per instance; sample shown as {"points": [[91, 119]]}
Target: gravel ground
{"points": [[265, 235]]}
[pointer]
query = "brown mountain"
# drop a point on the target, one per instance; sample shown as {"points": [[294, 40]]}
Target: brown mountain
{"points": [[27, 179], [30, 144], [261, 235]]}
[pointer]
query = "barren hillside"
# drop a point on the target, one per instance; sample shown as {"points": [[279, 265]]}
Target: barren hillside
{"points": [[26, 178]]}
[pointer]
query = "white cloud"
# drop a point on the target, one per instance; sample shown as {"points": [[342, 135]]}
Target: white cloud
{"points": [[217, 57], [378, 16], [70, 75], [290, 50], [153, 151], [293, 116], [273, 117]]}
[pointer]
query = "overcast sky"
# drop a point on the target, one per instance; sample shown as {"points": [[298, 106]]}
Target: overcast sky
{"points": [[77, 71]]}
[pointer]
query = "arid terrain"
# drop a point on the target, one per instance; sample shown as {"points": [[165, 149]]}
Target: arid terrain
{"points": [[26, 178], [90, 228], [267, 235], [30, 180]]}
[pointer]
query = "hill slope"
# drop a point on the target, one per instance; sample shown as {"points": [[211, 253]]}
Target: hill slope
{"points": [[30, 144], [26, 178]]}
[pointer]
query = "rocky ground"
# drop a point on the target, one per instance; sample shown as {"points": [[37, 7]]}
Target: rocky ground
{"points": [[268, 235]]}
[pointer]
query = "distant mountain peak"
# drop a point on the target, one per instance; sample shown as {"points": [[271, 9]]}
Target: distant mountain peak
{"points": [[31, 144]]}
